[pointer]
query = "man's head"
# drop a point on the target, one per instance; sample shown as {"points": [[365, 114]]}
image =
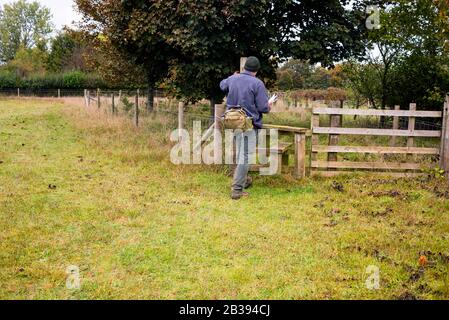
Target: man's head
{"points": [[252, 64]]}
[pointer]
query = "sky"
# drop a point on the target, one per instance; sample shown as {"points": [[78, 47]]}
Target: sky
{"points": [[62, 11]]}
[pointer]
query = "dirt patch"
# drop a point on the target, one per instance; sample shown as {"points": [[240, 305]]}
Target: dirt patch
{"points": [[407, 295], [438, 187], [378, 213], [390, 193], [337, 186], [416, 275]]}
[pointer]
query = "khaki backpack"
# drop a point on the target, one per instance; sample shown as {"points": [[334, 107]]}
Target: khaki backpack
{"points": [[236, 119]]}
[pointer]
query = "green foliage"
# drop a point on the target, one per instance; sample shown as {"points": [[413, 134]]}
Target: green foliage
{"points": [[198, 43], [74, 79], [127, 105], [70, 80], [28, 61], [23, 24], [67, 52], [435, 172], [412, 54], [299, 74], [8, 80]]}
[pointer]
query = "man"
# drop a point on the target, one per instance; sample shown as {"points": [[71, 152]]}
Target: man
{"points": [[248, 92]]}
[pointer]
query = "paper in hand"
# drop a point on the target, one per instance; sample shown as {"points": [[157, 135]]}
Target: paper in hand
{"points": [[273, 99]]}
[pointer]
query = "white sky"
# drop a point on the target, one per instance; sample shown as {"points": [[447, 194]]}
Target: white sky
{"points": [[62, 10]]}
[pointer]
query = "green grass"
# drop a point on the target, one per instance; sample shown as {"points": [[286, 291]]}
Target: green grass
{"points": [[84, 189]]}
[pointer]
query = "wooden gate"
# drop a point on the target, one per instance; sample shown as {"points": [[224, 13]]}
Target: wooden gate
{"points": [[332, 165]]}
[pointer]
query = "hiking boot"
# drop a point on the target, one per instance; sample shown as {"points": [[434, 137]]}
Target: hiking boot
{"points": [[237, 195], [249, 182]]}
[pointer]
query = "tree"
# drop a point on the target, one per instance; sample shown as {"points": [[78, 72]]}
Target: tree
{"points": [[23, 25], [362, 80], [67, 52], [411, 53], [294, 74], [299, 74], [197, 43], [213, 35], [112, 65], [135, 31], [28, 62]]}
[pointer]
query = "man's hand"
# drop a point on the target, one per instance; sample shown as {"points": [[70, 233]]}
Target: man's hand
{"points": [[273, 99]]}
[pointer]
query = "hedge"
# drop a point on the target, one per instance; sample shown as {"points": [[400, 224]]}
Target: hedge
{"points": [[71, 80]]}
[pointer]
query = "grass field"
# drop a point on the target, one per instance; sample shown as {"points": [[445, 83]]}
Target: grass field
{"points": [[80, 188]]}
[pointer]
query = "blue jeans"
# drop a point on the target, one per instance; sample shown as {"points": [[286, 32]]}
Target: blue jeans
{"points": [[246, 143]]}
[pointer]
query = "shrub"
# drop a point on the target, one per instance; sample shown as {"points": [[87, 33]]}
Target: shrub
{"points": [[74, 80], [8, 80]]}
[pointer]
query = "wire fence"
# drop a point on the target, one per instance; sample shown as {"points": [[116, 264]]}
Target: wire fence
{"points": [[124, 102], [61, 93]]}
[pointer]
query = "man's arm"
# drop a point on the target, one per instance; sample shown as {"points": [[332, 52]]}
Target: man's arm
{"points": [[224, 86], [261, 100]]}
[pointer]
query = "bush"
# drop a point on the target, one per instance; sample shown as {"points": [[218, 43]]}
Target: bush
{"points": [[8, 80], [74, 80]]}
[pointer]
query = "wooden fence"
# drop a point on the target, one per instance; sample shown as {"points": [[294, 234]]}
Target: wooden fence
{"points": [[333, 166]]}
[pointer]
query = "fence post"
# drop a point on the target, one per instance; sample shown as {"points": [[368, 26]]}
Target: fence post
{"points": [[136, 115], [444, 152], [300, 155], [180, 118], [395, 126], [59, 93], [411, 128], [315, 123], [336, 122], [98, 99], [18, 92], [113, 103], [242, 63], [218, 146]]}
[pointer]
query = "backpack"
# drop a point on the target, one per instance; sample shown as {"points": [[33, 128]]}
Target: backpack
{"points": [[236, 119]]}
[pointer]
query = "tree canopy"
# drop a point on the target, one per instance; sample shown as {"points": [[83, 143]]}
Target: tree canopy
{"points": [[23, 25], [196, 43]]}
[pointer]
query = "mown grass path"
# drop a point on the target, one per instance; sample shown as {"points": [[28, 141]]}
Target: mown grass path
{"points": [[78, 190]]}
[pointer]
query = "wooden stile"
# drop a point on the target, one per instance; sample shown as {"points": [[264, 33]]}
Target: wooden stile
{"points": [[333, 166]]}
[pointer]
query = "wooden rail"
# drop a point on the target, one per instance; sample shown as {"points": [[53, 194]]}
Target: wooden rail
{"points": [[333, 166], [379, 113], [375, 150], [377, 132]]}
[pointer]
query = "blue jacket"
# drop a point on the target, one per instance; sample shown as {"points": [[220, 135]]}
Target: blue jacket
{"points": [[249, 92]]}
